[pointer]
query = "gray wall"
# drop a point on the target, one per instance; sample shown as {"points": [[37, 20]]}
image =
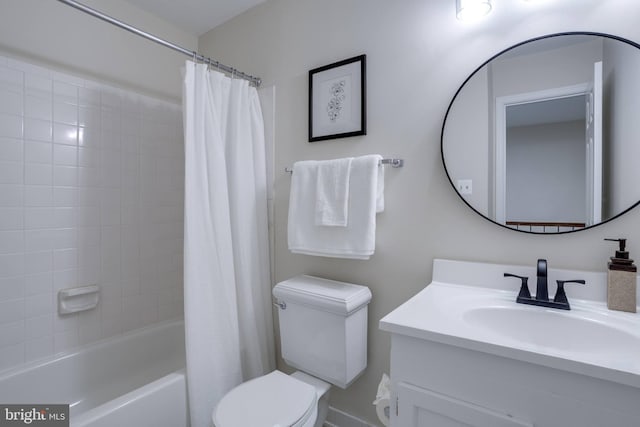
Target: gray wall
{"points": [[622, 102], [546, 175], [418, 54], [57, 35]]}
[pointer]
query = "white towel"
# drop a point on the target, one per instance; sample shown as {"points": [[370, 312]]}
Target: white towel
{"points": [[332, 192], [357, 239]]}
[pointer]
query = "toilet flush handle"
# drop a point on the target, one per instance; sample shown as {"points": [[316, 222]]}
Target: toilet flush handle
{"points": [[282, 305]]}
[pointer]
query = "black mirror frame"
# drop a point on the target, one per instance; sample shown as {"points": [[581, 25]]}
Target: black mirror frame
{"points": [[444, 122]]}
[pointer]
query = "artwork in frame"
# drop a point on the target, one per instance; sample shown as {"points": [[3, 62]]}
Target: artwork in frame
{"points": [[337, 100]]}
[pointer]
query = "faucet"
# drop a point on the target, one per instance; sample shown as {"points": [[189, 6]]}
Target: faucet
{"points": [[542, 291]]}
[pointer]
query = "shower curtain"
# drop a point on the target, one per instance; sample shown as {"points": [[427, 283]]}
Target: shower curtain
{"points": [[228, 320]]}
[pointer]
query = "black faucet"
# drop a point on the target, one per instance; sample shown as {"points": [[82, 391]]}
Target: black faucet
{"points": [[542, 288], [542, 291]]}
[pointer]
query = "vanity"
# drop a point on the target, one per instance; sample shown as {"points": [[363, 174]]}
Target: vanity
{"points": [[464, 353]]}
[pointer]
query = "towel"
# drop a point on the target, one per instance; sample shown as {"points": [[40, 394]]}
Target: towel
{"points": [[332, 192], [354, 241]]}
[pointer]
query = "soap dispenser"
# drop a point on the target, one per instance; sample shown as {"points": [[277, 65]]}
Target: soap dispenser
{"points": [[621, 280]]}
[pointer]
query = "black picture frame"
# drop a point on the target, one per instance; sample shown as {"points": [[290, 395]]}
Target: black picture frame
{"points": [[338, 100]]}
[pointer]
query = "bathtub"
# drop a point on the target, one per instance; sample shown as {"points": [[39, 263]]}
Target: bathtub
{"points": [[135, 379]]}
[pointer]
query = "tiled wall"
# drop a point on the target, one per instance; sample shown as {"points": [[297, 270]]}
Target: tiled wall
{"points": [[91, 192]]}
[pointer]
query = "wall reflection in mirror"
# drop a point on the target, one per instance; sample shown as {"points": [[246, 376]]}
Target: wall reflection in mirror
{"points": [[545, 137]]}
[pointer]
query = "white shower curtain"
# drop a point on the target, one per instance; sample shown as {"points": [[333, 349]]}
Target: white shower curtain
{"points": [[228, 321]]}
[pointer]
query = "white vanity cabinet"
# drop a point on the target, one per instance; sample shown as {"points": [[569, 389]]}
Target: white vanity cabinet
{"points": [[446, 373], [440, 385]]}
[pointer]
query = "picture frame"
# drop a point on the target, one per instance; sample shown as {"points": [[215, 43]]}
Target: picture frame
{"points": [[337, 100]]}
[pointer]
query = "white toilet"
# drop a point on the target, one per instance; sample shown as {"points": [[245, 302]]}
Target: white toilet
{"points": [[323, 333]]}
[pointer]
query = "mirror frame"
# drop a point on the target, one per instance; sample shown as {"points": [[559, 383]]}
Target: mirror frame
{"points": [[455, 96]]}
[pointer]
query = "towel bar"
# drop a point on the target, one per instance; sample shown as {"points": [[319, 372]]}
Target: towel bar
{"points": [[395, 163]]}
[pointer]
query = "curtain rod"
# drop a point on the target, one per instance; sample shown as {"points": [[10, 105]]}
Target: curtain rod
{"points": [[193, 54]]}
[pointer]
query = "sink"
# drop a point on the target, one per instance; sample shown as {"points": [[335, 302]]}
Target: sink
{"points": [[471, 305], [579, 331], [463, 350]]}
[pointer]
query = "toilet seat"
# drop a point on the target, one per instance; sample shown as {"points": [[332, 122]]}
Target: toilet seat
{"points": [[270, 400]]}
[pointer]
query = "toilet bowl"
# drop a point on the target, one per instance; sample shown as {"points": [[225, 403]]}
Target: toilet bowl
{"points": [[275, 399], [323, 333]]}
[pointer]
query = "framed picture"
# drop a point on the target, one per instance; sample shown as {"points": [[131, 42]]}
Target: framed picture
{"points": [[337, 100]]}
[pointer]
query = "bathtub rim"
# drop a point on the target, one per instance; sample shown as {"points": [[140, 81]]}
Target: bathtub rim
{"points": [[66, 354]]}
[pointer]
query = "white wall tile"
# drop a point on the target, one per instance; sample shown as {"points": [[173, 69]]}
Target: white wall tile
{"points": [[11, 333], [11, 172], [11, 242], [63, 341], [64, 112], [65, 176], [11, 196], [65, 134], [78, 160], [11, 218], [11, 150], [12, 288], [38, 107], [65, 259], [36, 129], [35, 218], [40, 283], [65, 196], [65, 155], [38, 196], [64, 279], [34, 80], [11, 102], [11, 310], [38, 348], [10, 126], [11, 265], [39, 326], [65, 238], [11, 355], [37, 305], [38, 152], [38, 174], [11, 79], [38, 262]]}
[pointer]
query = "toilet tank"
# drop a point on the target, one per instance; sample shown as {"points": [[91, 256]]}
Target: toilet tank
{"points": [[323, 327]]}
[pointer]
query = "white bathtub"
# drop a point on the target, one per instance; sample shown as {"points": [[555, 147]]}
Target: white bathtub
{"points": [[136, 379]]}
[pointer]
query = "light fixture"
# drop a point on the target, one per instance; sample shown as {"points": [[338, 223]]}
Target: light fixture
{"points": [[467, 10]]}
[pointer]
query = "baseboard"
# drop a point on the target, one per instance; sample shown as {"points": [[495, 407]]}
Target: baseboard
{"points": [[338, 418]]}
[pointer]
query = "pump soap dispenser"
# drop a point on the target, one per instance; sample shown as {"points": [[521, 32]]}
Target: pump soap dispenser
{"points": [[621, 280]]}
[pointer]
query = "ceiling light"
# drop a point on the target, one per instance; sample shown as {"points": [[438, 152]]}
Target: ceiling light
{"points": [[467, 10]]}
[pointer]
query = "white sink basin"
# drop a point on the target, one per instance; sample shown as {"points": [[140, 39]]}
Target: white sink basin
{"points": [[579, 331], [588, 339]]}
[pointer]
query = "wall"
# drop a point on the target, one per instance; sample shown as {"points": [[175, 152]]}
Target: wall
{"points": [[418, 54], [546, 174], [468, 154], [621, 86], [91, 192], [91, 174], [49, 32]]}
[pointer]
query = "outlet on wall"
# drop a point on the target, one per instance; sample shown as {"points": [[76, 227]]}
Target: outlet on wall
{"points": [[465, 186]]}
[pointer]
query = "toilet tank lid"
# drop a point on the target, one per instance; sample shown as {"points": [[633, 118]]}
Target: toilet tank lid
{"points": [[324, 294]]}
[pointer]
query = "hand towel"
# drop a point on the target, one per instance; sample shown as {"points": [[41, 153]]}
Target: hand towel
{"points": [[332, 192], [354, 241]]}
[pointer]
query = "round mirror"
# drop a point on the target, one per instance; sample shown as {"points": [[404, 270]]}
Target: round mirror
{"points": [[545, 136]]}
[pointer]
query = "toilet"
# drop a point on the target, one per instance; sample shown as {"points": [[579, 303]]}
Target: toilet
{"points": [[323, 334]]}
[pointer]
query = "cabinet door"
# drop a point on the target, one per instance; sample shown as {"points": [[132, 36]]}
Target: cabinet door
{"points": [[419, 407]]}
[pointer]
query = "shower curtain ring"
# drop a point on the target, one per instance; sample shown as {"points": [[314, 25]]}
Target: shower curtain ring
{"points": [[195, 56]]}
